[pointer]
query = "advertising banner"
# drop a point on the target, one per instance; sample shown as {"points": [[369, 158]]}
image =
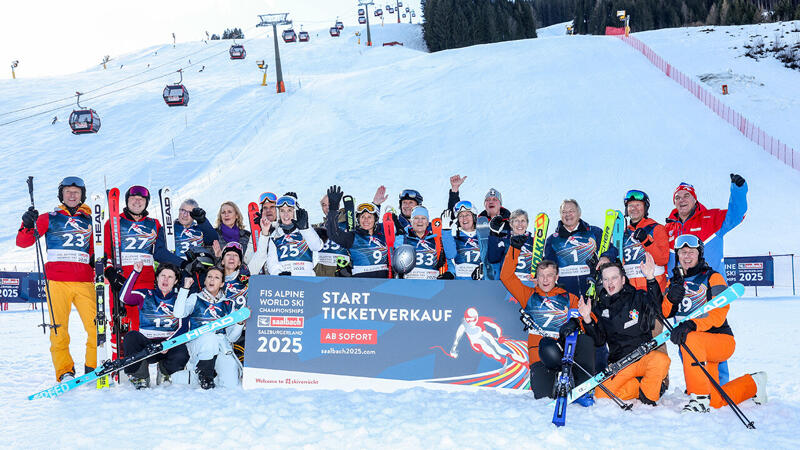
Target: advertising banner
{"points": [[750, 270], [21, 287], [352, 333]]}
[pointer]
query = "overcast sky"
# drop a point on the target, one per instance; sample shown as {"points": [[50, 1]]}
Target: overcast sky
{"points": [[42, 34]]}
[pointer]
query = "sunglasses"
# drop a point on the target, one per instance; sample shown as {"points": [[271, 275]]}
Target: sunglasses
{"points": [[286, 200], [267, 196], [368, 207], [73, 181], [687, 240], [141, 191]]}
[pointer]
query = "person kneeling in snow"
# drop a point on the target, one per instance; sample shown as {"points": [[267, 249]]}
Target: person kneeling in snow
{"points": [[211, 356]]}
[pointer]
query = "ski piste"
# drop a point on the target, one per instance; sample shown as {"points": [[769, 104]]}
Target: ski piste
{"points": [[114, 366], [564, 380], [724, 298], [255, 227], [388, 233], [483, 239], [165, 198], [540, 224], [118, 310], [618, 233], [350, 211], [99, 282], [436, 230]]}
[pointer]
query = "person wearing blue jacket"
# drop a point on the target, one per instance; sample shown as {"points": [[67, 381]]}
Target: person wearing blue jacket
{"points": [[192, 229]]}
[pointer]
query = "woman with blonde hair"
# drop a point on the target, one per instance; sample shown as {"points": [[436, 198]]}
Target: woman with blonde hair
{"points": [[230, 226]]}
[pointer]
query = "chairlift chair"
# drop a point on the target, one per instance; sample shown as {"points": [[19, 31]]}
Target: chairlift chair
{"points": [[334, 32], [237, 51], [83, 120], [289, 35], [176, 94]]}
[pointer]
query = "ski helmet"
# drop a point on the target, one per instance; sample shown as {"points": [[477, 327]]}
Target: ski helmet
{"points": [[404, 259], [636, 194], [549, 353], [140, 191], [471, 316], [691, 241], [410, 194], [465, 205], [202, 256], [71, 181], [235, 247], [368, 208]]}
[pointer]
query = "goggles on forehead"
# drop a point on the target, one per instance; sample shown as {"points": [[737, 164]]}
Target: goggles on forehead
{"points": [[635, 194], [464, 205], [233, 244], [287, 201], [687, 240], [141, 191], [73, 181], [267, 196], [368, 207]]}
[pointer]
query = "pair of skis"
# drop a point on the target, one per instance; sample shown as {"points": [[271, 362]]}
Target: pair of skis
{"points": [[110, 367]]}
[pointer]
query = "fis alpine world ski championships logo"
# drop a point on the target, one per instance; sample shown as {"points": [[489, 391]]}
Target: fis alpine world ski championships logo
{"points": [[73, 227], [578, 247], [141, 232], [165, 308]]}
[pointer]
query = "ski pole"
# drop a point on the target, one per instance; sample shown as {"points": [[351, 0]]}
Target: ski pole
{"points": [[736, 410], [40, 266], [611, 395]]}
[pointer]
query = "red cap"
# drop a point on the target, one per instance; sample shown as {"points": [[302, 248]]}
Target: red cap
{"points": [[684, 187]]}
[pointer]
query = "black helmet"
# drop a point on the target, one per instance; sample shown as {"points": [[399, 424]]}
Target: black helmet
{"points": [[141, 191], [410, 194], [71, 181], [549, 353], [404, 259], [639, 195], [202, 256]]}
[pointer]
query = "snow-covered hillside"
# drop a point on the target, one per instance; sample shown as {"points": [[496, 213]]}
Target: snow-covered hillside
{"points": [[572, 116]]}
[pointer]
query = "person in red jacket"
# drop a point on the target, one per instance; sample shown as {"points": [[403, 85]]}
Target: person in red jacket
{"points": [[67, 232], [142, 239]]}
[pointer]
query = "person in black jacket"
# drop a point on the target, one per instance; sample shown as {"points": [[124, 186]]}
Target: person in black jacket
{"points": [[625, 320]]}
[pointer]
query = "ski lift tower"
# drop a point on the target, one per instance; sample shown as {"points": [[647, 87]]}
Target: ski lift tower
{"points": [[365, 4], [275, 20]]}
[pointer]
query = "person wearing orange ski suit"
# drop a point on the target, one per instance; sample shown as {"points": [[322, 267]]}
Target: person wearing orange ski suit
{"points": [[708, 336], [625, 320], [67, 233]]}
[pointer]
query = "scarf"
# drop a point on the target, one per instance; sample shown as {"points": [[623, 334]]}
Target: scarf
{"points": [[229, 234]]}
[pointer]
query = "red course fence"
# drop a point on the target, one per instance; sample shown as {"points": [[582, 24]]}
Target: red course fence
{"points": [[770, 144]]}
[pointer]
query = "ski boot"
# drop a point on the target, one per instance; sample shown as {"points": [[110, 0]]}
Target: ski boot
{"points": [[162, 377], [698, 403], [205, 373], [141, 378]]}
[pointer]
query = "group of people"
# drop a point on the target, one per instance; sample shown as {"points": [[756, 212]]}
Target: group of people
{"points": [[167, 291]]}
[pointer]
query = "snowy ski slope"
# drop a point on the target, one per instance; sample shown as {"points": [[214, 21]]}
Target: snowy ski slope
{"points": [[540, 120]]}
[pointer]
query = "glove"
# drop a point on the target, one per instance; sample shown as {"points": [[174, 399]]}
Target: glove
{"points": [[518, 241], [680, 332], [676, 291], [257, 217], [640, 235], [477, 274], [398, 227], [302, 219], [199, 215], [446, 276], [497, 224], [737, 179], [322, 233], [29, 217], [568, 328], [447, 219], [345, 271], [334, 197], [285, 274], [115, 278]]}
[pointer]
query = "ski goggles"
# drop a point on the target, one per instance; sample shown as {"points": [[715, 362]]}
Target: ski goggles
{"points": [[233, 244], [287, 201], [464, 205], [410, 194], [73, 181], [635, 194], [267, 196], [367, 207], [687, 240], [141, 191]]}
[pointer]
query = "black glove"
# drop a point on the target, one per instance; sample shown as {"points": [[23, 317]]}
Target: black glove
{"points": [[446, 276], [592, 263], [322, 233], [498, 224], [344, 270], [257, 218], [680, 332], [737, 179], [115, 278], [398, 227], [569, 327], [676, 290], [640, 235], [518, 241], [477, 274], [285, 274], [29, 218], [334, 197], [199, 215], [302, 219]]}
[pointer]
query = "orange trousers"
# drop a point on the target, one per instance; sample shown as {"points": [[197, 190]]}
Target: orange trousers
{"points": [[711, 349], [63, 294], [653, 367]]}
